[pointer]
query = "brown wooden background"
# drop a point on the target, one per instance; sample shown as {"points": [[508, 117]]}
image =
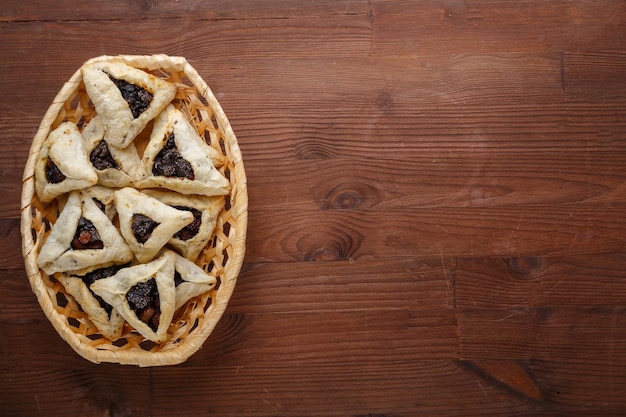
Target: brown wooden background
{"points": [[437, 207]]}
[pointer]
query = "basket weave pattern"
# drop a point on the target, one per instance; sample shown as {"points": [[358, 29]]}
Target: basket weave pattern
{"points": [[222, 257]]}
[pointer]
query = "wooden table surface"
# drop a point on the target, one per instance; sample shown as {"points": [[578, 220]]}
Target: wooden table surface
{"points": [[437, 220]]}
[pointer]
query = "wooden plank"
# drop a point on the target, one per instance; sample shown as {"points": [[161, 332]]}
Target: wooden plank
{"points": [[29, 43], [11, 245], [373, 388], [434, 78], [93, 390], [468, 180], [361, 234], [583, 335], [576, 386], [39, 10], [346, 337], [587, 73], [405, 27], [433, 387], [29, 339], [417, 130], [307, 287], [19, 304], [542, 282], [571, 388]]}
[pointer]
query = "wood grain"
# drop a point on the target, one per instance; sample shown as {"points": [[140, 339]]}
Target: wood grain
{"points": [[405, 27], [519, 231], [586, 334], [150, 9], [437, 207], [567, 281]]}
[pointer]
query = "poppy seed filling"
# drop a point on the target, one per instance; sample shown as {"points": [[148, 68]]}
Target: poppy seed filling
{"points": [[53, 173], [170, 163], [192, 228], [101, 157], [142, 227], [138, 98], [143, 299]]}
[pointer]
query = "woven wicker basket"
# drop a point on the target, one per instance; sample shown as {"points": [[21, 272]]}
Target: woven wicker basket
{"points": [[222, 257]]}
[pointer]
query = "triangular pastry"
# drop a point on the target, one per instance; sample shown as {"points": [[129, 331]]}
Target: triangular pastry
{"points": [[82, 239], [144, 295], [126, 98], [146, 223], [116, 167], [178, 159], [107, 319], [190, 240], [190, 280], [62, 165]]}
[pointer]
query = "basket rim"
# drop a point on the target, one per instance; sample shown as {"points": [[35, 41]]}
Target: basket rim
{"points": [[239, 201]]}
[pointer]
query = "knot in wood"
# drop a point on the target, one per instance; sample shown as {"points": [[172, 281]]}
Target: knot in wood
{"points": [[348, 196], [349, 199], [331, 244], [524, 266], [323, 254], [314, 149]]}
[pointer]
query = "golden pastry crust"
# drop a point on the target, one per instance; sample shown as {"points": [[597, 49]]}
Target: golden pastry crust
{"points": [[121, 127], [195, 281], [64, 146], [57, 254], [209, 207], [127, 159], [114, 290], [192, 148], [109, 325], [129, 202]]}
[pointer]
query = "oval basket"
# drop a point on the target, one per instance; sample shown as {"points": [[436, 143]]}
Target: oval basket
{"points": [[222, 257]]}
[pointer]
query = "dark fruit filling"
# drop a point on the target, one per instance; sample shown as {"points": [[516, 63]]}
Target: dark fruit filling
{"points": [[86, 236], [192, 228], [138, 98], [142, 227], [169, 162], [53, 173], [93, 276], [101, 157], [143, 299]]}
